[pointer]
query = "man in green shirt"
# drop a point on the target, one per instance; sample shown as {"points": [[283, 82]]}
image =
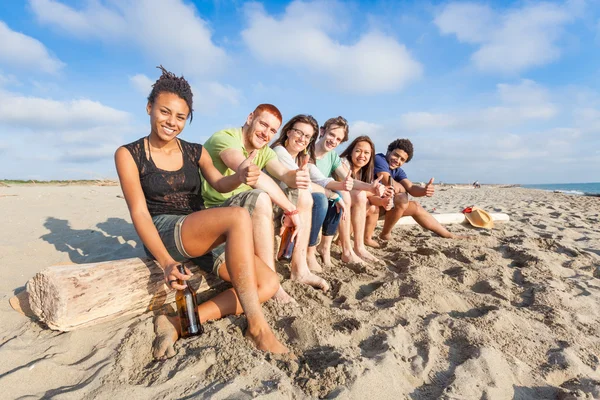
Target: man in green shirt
{"points": [[332, 134], [265, 200]]}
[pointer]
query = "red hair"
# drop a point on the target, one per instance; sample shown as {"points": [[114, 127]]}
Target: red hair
{"points": [[271, 109]]}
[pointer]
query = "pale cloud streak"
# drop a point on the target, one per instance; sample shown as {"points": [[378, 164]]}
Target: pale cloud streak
{"points": [[209, 96], [518, 103], [510, 41], [168, 31], [22, 51], [303, 40]]}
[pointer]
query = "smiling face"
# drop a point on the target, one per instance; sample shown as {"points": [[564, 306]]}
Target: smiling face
{"points": [[396, 158], [168, 114], [260, 129], [333, 137], [299, 137], [361, 155]]}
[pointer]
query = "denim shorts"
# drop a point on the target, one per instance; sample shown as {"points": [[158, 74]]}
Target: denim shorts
{"points": [[169, 230]]}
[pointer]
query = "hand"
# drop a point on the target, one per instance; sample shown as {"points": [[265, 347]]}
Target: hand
{"points": [[172, 274], [377, 188], [303, 176], [247, 171], [389, 204], [429, 189], [389, 192], [341, 208], [348, 182], [292, 221]]}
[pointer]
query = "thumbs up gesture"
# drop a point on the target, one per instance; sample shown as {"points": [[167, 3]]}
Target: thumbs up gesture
{"points": [[303, 176], [429, 189], [247, 171], [348, 182]]}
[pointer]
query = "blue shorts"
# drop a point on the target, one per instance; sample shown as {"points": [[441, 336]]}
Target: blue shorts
{"points": [[169, 230]]}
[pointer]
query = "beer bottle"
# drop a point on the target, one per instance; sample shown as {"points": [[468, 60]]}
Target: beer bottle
{"points": [[187, 308], [286, 248]]}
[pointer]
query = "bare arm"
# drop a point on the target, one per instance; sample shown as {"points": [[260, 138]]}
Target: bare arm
{"points": [[418, 191], [342, 171], [246, 173], [142, 221], [234, 157]]}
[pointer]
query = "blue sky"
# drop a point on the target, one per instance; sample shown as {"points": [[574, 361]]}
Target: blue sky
{"points": [[500, 92]]}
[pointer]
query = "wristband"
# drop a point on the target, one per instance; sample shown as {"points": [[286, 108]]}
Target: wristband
{"points": [[336, 199], [290, 213]]}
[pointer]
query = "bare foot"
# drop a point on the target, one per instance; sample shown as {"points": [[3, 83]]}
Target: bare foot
{"points": [[282, 296], [385, 237], [165, 328], [265, 340], [312, 280], [352, 258], [313, 264], [372, 243], [365, 255]]}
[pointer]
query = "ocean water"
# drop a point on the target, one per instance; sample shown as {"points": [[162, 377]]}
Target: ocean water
{"points": [[591, 188]]}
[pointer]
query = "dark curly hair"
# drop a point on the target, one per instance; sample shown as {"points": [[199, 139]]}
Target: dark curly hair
{"points": [[402, 144], [171, 83], [310, 148]]}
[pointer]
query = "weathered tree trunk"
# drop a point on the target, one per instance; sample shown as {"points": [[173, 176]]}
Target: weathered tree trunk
{"points": [[67, 297]]}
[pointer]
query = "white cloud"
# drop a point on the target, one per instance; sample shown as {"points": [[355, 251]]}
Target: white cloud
{"points": [[208, 96], [518, 103], [22, 51], [510, 41], [302, 39], [168, 31], [364, 128], [47, 114], [142, 83]]}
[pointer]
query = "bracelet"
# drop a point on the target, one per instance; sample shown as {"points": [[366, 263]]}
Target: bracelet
{"points": [[290, 213], [336, 199]]}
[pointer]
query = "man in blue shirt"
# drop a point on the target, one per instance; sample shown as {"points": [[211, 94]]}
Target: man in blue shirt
{"points": [[388, 167]]}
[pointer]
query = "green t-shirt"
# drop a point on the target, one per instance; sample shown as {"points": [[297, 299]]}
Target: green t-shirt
{"points": [[229, 139], [329, 163]]}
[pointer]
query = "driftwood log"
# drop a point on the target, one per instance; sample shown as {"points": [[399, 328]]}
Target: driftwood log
{"points": [[66, 297]]}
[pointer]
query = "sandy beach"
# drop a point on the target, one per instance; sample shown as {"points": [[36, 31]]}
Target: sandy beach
{"points": [[512, 314]]}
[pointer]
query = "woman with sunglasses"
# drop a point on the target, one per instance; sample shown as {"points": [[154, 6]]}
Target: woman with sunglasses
{"points": [[295, 147]]}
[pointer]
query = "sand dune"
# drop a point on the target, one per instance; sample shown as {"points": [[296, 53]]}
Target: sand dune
{"points": [[512, 314]]}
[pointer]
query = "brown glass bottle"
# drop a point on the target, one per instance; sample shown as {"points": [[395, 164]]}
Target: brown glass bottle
{"points": [[187, 308], [286, 248]]}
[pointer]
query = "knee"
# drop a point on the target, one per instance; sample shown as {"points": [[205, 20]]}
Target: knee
{"points": [[347, 197], [239, 216], [320, 201], [401, 201], [268, 284], [263, 206], [359, 197], [373, 209]]}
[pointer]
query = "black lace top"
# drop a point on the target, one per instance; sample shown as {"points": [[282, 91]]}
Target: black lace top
{"points": [[170, 192]]}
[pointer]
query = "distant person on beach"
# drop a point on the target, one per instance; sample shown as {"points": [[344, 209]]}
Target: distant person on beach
{"points": [[388, 168], [295, 147], [160, 182], [476, 185], [263, 198], [332, 134]]}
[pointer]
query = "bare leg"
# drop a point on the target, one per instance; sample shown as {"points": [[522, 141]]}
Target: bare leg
{"points": [[311, 259], [370, 224], [427, 221], [202, 231], [324, 249], [392, 216], [345, 228], [300, 271], [359, 215], [262, 228]]}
